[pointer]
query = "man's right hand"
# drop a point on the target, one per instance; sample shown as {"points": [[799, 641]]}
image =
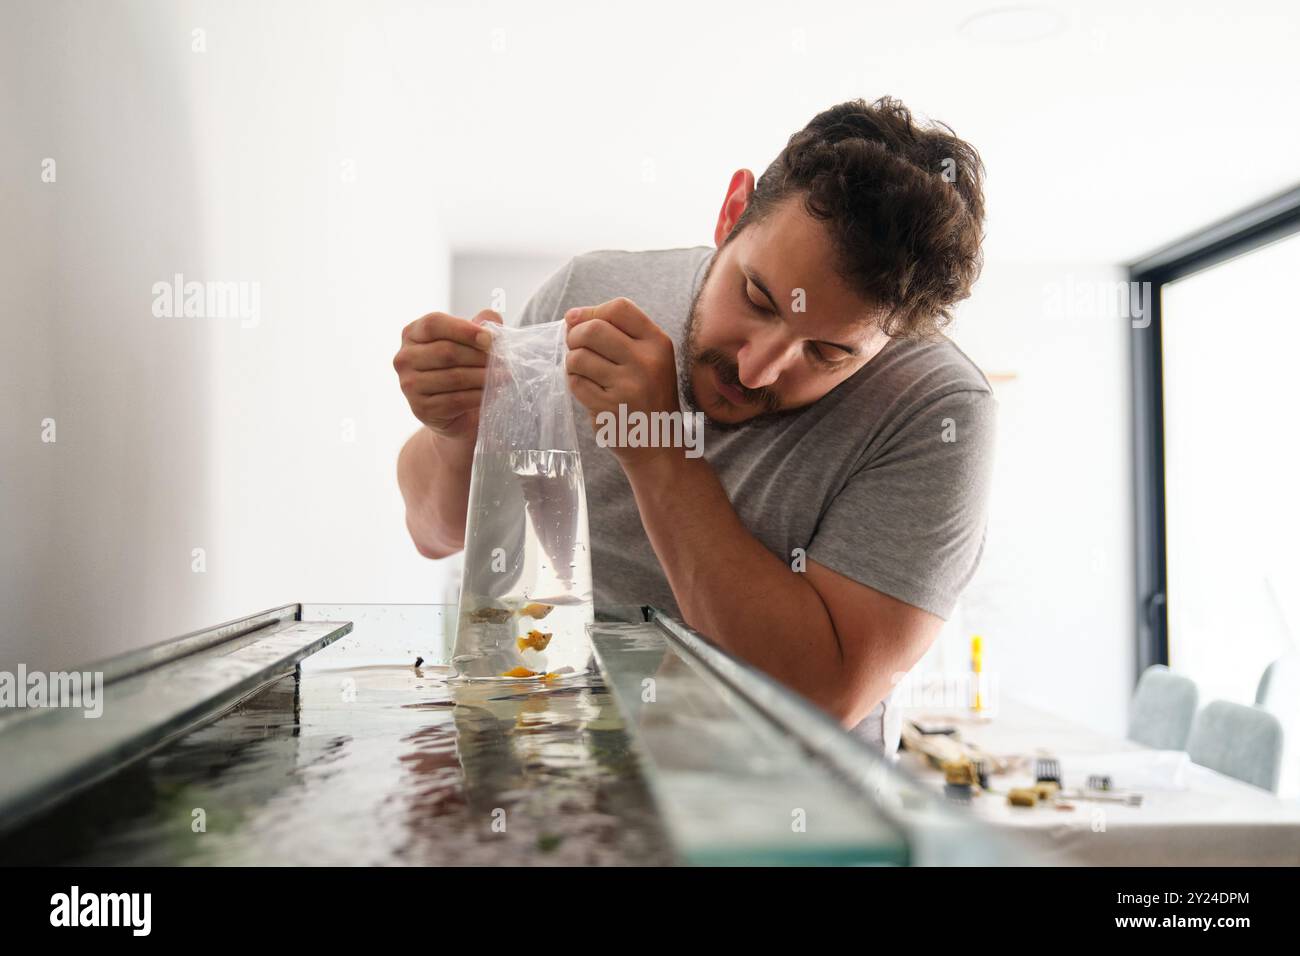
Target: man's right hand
{"points": [[442, 366]]}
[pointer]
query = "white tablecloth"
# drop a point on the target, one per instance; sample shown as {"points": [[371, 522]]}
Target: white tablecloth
{"points": [[1190, 815]]}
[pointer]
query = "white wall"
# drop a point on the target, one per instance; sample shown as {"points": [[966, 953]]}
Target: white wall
{"points": [[97, 524], [501, 282], [279, 155], [321, 182], [1053, 598]]}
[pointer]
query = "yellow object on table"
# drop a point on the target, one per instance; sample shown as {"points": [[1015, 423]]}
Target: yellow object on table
{"points": [[1023, 796]]}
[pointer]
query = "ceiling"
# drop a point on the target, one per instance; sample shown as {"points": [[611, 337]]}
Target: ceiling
{"points": [[1108, 128]]}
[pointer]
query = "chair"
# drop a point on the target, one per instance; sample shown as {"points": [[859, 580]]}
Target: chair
{"points": [[1279, 694], [1279, 687], [1238, 740], [1164, 705]]}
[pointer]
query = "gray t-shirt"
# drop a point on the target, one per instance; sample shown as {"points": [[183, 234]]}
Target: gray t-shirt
{"points": [[885, 479]]}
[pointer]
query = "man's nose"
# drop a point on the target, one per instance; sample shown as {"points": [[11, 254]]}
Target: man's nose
{"points": [[761, 360]]}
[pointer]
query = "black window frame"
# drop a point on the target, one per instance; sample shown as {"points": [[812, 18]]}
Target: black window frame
{"points": [[1264, 223]]}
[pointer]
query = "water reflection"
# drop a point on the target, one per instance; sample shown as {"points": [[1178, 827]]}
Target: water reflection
{"points": [[374, 765]]}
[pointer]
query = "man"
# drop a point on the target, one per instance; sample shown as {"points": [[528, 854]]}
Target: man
{"points": [[839, 506]]}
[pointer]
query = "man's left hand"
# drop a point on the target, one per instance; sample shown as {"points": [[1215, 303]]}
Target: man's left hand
{"points": [[619, 356]]}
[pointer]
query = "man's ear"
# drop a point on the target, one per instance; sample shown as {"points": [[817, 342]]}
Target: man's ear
{"points": [[738, 193]]}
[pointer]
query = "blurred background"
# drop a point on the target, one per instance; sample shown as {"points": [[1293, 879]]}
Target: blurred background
{"points": [[343, 168]]}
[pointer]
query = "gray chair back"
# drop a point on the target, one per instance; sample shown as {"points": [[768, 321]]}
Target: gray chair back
{"points": [[1163, 708], [1238, 740], [1279, 687], [1279, 694]]}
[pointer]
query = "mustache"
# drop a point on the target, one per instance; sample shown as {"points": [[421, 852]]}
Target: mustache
{"points": [[729, 373]]}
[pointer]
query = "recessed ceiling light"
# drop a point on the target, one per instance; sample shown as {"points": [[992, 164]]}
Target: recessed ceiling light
{"points": [[1010, 25]]}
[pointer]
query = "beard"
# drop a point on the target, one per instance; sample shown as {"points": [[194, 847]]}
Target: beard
{"points": [[727, 371]]}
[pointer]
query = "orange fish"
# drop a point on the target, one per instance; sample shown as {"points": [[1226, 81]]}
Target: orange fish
{"points": [[535, 639], [519, 672]]}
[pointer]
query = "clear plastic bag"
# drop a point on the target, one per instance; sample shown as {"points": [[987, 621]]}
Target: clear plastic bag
{"points": [[526, 595]]}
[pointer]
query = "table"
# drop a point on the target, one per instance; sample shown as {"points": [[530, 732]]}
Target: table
{"points": [[1206, 819]]}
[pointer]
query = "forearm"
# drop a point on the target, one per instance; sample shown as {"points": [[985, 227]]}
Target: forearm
{"points": [[728, 585], [433, 473]]}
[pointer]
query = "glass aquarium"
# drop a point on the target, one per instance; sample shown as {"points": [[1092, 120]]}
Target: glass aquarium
{"points": [[355, 748]]}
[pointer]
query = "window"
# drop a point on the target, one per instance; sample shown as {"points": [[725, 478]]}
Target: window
{"points": [[1217, 376]]}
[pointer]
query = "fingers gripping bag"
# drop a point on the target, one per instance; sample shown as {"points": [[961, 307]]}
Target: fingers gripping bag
{"points": [[526, 594]]}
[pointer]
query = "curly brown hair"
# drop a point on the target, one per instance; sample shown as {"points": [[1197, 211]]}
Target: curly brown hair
{"points": [[904, 204]]}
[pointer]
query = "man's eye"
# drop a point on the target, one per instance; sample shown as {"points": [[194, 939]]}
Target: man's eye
{"points": [[820, 356], [756, 306]]}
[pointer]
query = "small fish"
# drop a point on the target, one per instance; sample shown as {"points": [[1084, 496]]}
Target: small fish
{"points": [[535, 611], [520, 671], [537, 640], [489, 615]]}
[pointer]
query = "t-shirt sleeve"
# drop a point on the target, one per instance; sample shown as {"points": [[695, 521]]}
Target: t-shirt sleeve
{"points": [[544, 304], [911, 521]]}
